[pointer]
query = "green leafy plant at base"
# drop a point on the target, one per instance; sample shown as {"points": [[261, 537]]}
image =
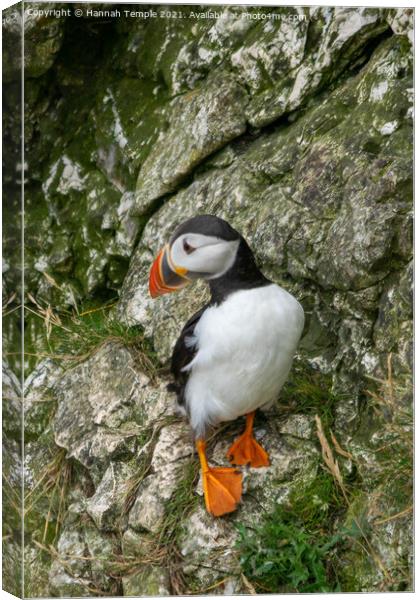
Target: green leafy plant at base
{"points": [[279, 556]]}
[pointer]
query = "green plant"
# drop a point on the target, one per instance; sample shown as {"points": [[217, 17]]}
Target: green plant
{"points": [[280, 556]]}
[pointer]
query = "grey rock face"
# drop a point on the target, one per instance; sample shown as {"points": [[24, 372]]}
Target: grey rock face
{"points": [[172, 449], [200, 123], [150, 581], [176, 92], [80, 570], [106, 505], [322, 212], [97, 409], [39, 402], [296, 68]]}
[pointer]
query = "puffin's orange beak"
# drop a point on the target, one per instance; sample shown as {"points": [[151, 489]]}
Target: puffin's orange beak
{"points": [[164, 276], [156, 285]]}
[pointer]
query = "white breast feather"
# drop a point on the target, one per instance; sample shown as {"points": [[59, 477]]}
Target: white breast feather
{"points": [[245, 348]]}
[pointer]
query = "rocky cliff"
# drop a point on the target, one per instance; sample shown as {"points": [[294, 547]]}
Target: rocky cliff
{"points": [[295, 125]]}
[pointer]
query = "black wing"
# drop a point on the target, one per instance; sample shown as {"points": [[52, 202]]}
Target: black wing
{"points": [[182, 356]]}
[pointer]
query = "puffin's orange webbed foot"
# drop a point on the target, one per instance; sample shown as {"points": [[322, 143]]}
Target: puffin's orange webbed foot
{"points": [[222, 486], [246, 450], [222, 490]]}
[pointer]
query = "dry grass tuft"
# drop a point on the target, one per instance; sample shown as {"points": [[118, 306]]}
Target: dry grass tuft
{"points": [[328, 456], [74, 336], [333, 468], [53, 483]]}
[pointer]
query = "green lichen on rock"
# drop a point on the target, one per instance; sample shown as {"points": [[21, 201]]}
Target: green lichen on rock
{"points": [[199, 123]]}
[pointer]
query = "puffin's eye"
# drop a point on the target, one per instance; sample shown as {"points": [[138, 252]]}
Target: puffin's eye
{"points": [[187, 247]]}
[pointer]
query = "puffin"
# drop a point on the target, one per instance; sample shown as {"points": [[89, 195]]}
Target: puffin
{"points": [[232, 356]]}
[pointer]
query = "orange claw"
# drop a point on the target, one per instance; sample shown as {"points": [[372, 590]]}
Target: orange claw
{"points": [[222, 486], [245, 449]]}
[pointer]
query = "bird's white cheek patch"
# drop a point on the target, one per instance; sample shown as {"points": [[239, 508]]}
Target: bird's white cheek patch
{"points": [[212, 256]]}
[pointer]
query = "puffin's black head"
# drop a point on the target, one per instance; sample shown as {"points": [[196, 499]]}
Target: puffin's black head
{"points": [[204, 246]]}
